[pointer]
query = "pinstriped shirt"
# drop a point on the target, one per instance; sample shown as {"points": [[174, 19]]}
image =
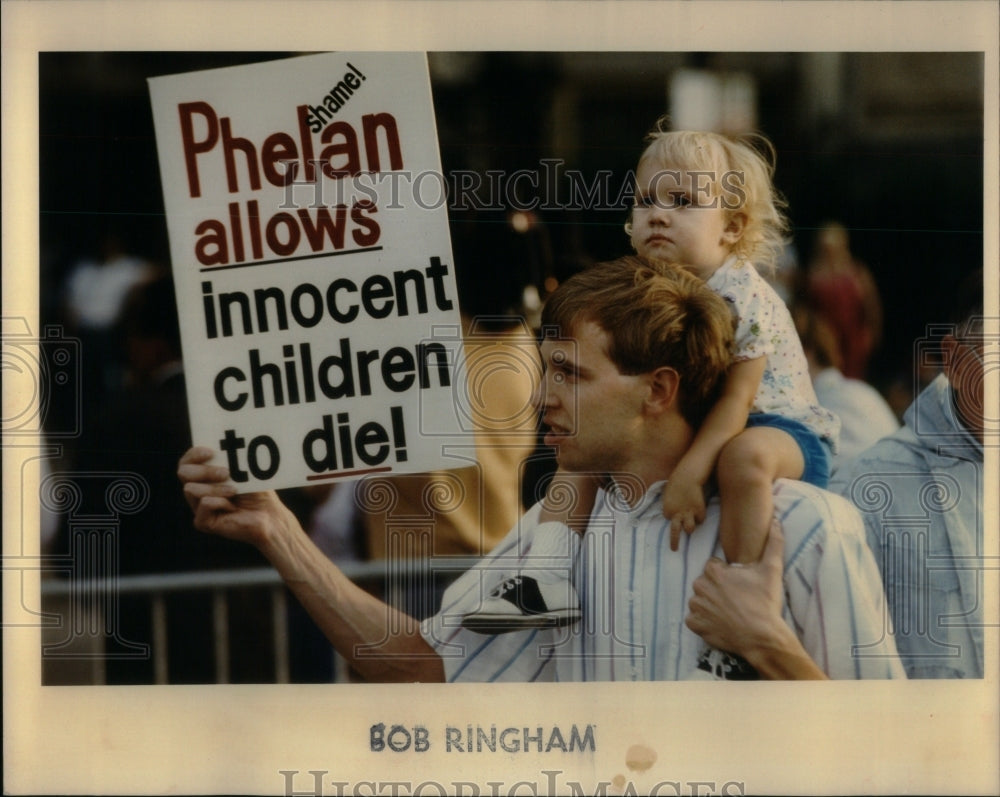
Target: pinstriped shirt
{"points": [[634, 593]]}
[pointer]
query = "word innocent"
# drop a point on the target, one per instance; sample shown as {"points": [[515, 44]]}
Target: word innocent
{"points": [[379, 296]]}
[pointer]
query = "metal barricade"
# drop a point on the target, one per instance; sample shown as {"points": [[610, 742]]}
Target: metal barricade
{"points": [[84, 629], [87, 621]]}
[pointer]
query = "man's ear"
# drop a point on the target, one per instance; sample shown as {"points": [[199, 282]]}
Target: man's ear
{"points": [[734, 228], [664, 385]]}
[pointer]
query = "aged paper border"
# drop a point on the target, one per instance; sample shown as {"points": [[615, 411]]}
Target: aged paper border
{"points": [[776, 738]]}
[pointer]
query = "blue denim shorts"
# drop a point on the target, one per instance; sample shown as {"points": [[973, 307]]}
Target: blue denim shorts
{"points": [[816, 451]]}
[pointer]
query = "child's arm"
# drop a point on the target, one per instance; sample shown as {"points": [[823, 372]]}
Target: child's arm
{"points": [[684, 495]]}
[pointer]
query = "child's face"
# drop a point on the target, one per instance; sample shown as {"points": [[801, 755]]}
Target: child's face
{"points": [[677, 218]]}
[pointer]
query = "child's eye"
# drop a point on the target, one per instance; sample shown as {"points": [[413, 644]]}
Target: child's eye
{"points": [[644, 201], [679, 200]]}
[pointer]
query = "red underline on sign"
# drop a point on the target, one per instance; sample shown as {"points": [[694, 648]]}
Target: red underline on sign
{"points": [[340, 474], [290, 259]]}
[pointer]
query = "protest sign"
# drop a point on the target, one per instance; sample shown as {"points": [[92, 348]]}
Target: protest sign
{"points": [[308, 231]]}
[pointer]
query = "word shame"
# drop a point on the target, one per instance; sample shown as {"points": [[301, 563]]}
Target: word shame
{"points": [[335, 99]]}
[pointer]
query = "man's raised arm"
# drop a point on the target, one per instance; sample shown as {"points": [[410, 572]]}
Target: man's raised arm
{"points": [[349, 616]]}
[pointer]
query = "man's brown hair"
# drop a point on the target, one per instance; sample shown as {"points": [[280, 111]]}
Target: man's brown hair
{"points": [[655, 314]]}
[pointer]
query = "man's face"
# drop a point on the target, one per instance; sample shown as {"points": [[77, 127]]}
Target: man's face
{"points": [[592, 411], [676, 218]]}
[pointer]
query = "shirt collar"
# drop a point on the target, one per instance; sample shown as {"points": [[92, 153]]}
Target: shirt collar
{"points": [[618, 497]]}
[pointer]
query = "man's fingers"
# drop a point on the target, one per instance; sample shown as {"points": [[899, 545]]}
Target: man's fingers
{"points": [[693, 620], [194, 472], [696, 619], [217, 503], [210, 510], [194, 467], [196, 492], [202, 489], [197, 454], [712, 568], [699, 589]]}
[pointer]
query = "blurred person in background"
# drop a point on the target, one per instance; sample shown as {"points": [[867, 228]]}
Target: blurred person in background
{"points": [[785, 276], [94, 297], [920, 492], [865, 416], [142, 427], [841, 290]]}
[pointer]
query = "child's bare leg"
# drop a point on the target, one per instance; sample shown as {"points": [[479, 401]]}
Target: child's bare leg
{"points": [[747, 468], [569, 499]]}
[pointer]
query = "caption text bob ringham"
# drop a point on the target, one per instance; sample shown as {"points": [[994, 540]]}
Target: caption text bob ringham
{"points": [[575, 740]]}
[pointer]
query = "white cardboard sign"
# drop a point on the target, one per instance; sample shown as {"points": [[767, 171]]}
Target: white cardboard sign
{"points": [[309, 240]]}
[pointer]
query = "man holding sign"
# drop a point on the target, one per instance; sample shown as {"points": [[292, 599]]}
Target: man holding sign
{"points": [[612, 409]]}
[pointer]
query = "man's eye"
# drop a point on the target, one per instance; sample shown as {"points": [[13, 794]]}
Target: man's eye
{"points": [[562, 374]]}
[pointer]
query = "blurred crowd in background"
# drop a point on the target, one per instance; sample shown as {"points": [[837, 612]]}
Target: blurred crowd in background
{"points": [[879, 156]]}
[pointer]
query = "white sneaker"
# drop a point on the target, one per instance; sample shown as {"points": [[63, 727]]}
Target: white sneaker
{"points": [[720, 665], [522, 602]]}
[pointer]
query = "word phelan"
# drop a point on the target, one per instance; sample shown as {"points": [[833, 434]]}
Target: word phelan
{"points": [[279, 158]]}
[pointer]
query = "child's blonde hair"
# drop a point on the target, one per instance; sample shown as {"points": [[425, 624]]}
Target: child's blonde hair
{"points": [[740, 174]]}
